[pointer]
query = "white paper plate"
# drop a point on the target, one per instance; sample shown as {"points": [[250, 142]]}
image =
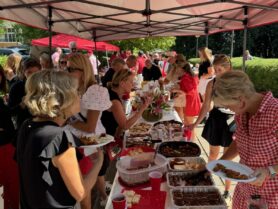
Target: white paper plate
{"points": [[243, 169], [226, 111], [101, 142]]}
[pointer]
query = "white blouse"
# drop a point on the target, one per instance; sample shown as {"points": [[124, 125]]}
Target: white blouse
{"points": [[95, 98]]}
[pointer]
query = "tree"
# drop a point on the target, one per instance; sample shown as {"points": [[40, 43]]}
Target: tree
{"points": [[27, 33], [146, 44]]}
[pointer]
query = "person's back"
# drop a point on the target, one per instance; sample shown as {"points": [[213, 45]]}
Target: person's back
{"points": [[38, 143]]}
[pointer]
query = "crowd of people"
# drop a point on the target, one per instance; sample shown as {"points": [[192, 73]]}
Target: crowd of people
{"points": [[47, 105]]}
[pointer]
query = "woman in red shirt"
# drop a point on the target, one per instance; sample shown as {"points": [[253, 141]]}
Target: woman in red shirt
{"points": [[189, 85]]}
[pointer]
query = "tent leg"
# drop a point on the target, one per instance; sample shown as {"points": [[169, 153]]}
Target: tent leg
{"points": [[95, 37], [197, 45], [50, 24], [232, 44], [106, 54], [245, 21]]}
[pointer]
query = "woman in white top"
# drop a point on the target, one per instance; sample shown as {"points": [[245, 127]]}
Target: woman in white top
{"points": [[94, 100]]}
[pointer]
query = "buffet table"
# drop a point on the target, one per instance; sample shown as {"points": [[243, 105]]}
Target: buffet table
{"points": [[117, 188]]}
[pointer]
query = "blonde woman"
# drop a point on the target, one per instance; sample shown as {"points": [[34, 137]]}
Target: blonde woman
{"points": [[11, 68], [48, 167], [174, 77], [94, 100], [114, 119], [206, 62], [216, 130], [256, 136]]}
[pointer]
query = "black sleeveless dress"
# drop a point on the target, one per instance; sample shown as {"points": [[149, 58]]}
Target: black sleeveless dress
{"points": [[216, 130]]}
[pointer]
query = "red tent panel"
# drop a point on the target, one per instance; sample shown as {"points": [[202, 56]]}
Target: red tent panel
{"points": [[63, 40]]}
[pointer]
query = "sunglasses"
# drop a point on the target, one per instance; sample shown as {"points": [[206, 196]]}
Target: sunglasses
{"points": [[72, 69], [63, 62]]}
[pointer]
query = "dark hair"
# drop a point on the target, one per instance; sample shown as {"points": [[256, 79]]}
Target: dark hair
{"points": [[30, 62], [187, 68], [3, 84]]}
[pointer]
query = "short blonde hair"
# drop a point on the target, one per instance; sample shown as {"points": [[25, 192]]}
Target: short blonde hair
{"points": [[49, 93], [83, 63], [231, 85], [223, 60]]}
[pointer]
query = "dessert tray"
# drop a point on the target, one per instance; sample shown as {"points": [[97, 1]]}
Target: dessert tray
{"points": [[191, 164]]}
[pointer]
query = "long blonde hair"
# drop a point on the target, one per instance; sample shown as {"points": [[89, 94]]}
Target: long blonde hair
{"points": [[83, 63], [222, 60], [13, 62], [206, 54]]}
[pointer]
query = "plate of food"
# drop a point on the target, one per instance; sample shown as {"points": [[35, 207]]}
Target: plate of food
{"points": [[230, 170], [96, 141]]}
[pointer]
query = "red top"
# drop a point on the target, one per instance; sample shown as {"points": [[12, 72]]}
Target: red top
{"points": [[141, 64], [189, 85], [257, 146]]}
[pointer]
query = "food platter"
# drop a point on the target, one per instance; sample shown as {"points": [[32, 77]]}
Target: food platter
{"points": [[96, 141], [241, 173]]}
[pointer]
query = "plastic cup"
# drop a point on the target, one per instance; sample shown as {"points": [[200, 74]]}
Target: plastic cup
{"points": [[155, 179], [119, 201]]}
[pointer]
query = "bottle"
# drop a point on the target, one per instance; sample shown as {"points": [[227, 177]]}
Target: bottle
{"points": [[256, 202]]}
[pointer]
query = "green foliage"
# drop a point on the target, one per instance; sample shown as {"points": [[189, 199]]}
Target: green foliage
{"points": [[3, 60], [28, 33], [146, 44], [262, 72]]}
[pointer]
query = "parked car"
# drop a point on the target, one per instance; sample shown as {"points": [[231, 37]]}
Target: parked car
{"points": [[18, 50]]}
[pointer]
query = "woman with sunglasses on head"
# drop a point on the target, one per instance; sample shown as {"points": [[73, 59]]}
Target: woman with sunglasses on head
{"points": [[114, 119], [256, 136], [62, 62], [48, 168], [94, 100], [216, 130]]}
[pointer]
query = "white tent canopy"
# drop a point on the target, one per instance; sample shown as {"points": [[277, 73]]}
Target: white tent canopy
{"points": [[124, 19]]}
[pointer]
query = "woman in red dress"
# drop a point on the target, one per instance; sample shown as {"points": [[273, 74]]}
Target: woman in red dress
{"points": [[189, 85], [256, 136]]}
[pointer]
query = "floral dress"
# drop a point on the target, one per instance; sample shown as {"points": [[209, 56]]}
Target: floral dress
{"points": [[257, 146]]}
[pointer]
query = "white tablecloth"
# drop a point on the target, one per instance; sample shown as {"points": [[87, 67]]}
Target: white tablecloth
{"points": [[117, 188]]}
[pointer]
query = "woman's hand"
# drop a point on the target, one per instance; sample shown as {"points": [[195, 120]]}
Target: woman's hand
{"points": [[262, 175], [147, 102], [191, 126]]}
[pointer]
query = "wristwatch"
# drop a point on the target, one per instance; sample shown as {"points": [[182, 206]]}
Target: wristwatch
{"points": [[272, 172]]}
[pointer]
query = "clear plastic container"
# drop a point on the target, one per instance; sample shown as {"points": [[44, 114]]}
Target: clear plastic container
{"points": [[188, 160], [133, 177], [256, 202]]}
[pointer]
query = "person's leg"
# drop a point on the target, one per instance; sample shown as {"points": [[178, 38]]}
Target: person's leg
{"points": [[190, 120], [100, 184], [179, 110], [227, 182], [213, 152]]}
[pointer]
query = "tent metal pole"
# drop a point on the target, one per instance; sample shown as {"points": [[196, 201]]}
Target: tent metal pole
{"points": [[232, 44], [206, 32], [197, 45], [95, 38], [245, 22], [106, 54], [50, 24]]}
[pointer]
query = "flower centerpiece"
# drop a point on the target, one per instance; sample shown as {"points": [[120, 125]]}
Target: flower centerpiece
{"points": [[155, 110]]}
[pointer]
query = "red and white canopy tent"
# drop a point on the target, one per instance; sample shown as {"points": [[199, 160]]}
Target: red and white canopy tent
{"points": [[63, 40], [124, 19]]}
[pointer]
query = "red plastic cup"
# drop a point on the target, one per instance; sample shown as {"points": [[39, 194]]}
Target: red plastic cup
{"points": [[119, 201], [155, 179]]}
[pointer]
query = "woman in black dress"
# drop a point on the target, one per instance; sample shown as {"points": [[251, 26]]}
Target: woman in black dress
{"points": [[48, 168], [216, 130]]}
